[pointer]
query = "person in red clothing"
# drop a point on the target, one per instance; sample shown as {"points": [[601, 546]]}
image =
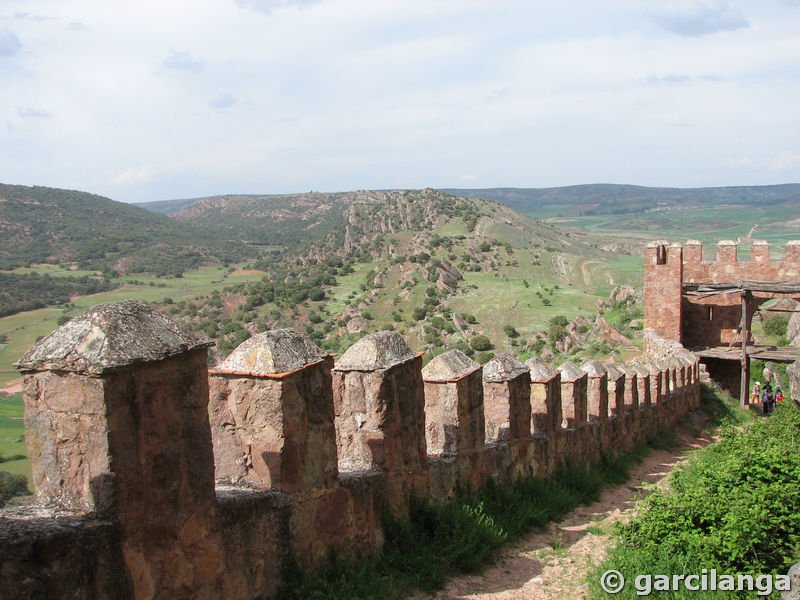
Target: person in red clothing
{"points": [[778, 394]]}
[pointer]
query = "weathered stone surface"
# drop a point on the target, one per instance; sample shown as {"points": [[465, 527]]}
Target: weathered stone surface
{"points": [[66, 432], [454, 418], [504, 367], [593, 368], [793, 327], [51, 554], [119, 427], [628, 369], [271, 352], [163, 476], [357, 324], [380, 413], [574, 390], [275, 433], [107, 337], [570, 372], [380, 350], [596, 390], [449, 366], [507, 393], [615, 385], [540, 369], [793, 371], [613, 371], [546, 403], [653, 367]]}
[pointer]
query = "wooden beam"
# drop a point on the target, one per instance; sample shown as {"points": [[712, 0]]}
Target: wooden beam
{"points": [[745, 379]]}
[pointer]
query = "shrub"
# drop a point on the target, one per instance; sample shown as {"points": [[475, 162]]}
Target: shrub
{"points": [[776, 326], [419, 313], [12, 485], [480, 343], [734, 507]]}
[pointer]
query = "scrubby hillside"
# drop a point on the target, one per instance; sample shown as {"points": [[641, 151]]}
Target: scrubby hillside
{"points": [[443, 270], [49, 225]]}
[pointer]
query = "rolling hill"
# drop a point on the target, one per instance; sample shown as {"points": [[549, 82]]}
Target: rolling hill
{"points": [[439, 268], [50, 225]]}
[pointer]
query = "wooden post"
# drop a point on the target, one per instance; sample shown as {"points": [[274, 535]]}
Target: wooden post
{"points": [[745, 380]]}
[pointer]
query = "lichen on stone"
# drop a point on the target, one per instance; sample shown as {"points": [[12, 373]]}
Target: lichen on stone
{"points": [[593, 368], [613, 371], [570, 372], [376, 351], [449, 366], [272, 352], [540, 369], [109, 337], [503, 367]]}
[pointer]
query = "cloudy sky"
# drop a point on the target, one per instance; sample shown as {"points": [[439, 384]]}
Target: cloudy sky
{"points": [[152, 100]]}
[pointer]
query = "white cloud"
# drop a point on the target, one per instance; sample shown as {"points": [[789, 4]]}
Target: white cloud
{"points": [[785, 161], [268, 6], [27, 112], [9, 43], [695, 18], [137, 175], [398, 93], [223, 99], [183, 61], [671, 78]]}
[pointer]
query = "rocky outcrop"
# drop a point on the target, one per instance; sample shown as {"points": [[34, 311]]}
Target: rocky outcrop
{"points": [[793, 371]]}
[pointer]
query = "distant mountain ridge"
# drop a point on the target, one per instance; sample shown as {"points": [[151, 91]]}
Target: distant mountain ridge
{"points": [[607, 198]]}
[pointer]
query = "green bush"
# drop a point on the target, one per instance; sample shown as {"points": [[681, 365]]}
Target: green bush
{"points": [[480, 343], [734, 507], [510, 331], [776, 326], [12, 485]]}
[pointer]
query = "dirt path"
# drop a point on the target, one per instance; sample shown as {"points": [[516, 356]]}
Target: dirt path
{"points": [[553, 563], [14, 387]]}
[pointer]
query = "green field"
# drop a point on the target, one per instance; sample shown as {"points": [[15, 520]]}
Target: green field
{"points": [[23, 329], [777, 224], [12, 436]]}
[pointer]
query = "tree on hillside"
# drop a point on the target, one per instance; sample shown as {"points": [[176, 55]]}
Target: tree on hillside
{"points": [[480, 343]]}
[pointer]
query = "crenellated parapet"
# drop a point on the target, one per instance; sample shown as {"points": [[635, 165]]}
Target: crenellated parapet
{"points": [[707, 319], [727, 266], [117, 426], [307, 453]]}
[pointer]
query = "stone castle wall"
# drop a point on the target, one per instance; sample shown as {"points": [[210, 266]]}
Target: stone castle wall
{"points": [[141, 495], [707, 320]]}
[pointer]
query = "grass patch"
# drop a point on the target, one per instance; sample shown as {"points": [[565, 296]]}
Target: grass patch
{"points": [[440, 539], [12, 438]]}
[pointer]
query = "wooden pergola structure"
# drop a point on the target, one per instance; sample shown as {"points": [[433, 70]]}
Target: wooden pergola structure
{"points": [[766, 290]]}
